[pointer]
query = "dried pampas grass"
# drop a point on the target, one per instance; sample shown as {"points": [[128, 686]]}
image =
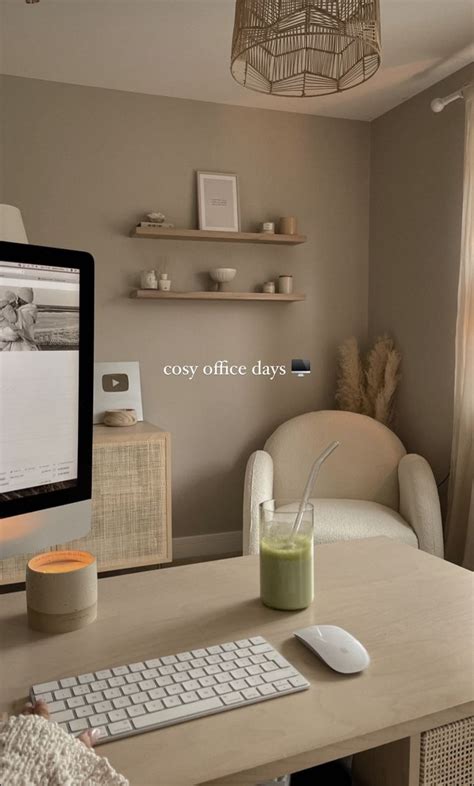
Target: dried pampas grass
{"points": [[369, 386]]}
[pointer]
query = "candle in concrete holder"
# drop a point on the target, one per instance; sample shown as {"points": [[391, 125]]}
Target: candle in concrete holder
{"points": [[61, 591]]}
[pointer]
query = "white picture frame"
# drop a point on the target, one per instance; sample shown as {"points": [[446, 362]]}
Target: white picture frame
{"points": [[218, 201]]}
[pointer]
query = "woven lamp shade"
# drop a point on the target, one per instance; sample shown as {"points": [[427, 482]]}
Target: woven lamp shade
{"points": [[305, 47]]}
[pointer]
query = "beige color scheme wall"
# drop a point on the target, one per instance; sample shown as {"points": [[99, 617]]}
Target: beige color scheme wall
{"points": [[415, 232], [84, 163]]}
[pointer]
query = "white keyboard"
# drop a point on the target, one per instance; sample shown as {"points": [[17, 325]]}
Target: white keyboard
{"points": [[126, 700]]}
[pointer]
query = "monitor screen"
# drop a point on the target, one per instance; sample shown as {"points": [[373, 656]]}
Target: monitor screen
{"points": [[46, 320], [39, 366]]}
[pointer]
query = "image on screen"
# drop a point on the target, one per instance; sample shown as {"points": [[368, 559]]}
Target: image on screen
{"points": [[39, 378]]}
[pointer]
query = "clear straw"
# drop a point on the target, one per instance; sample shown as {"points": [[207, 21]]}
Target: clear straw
{"points": [[314, 472]]}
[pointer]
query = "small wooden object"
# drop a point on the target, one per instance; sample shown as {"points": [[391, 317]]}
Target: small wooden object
{"points": [[288, 225], [214, 235], [149, 294], [120, 417], [61, 591]]}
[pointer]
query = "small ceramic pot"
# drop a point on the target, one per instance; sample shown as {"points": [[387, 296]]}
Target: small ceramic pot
{"points": [[288, 225], [269, 287], [268, 228], [285, 285], [148, 279], [164, 284]]}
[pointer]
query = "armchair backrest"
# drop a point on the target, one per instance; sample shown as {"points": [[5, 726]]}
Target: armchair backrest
{"points": [[363, 467]]}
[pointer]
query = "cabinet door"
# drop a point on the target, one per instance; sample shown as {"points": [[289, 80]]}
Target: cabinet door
{"points": [[130, 505]]}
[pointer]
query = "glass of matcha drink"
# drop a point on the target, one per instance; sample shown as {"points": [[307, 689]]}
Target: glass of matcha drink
{"points": [[286, 557]]}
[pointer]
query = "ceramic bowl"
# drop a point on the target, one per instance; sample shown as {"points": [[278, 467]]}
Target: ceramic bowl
{"points": [[222, 274]]}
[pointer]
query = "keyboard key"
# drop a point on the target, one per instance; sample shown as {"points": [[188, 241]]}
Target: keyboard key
{"points": [[168, 659], [128, 690], [257, 658], [56, 706], [177, 678], [228, 666], [117, 715], [298, 682], [85, 712], [270, 666], [254, 669], [141, 698], [46, 697], [228, 656], [183, 656], [229, 647], [282, 685], [174, 690], [198, 663], [221, 678], [241, 662], [123, 701], [76, 701], [157, 693], [152, 706], [175, 713], [93, 698], [258, 640], [119, 671], [136, 709], [45, 687], [146, 684], [221, 689], [206, 682], [238, 684], [232, 698], [212, 669], [153, 663], [165, 670], [239, 673], [215, 650], [104, 674], [261, 648], [279, 674], [81, 690], [163, 681], [196, 673], [132, 678], [104, 706], [189, 697], [61, 717], [149, 674], [84, 679], [98, 720], [206, 693], [78, 725], [137, 667], [68, 682], [113, 693], [243, 643], [172, 701], [254, 680], [120, 728], [200, 653], [191, 685], [266, 690], [250, 693], [115, 682], [98, 685]]}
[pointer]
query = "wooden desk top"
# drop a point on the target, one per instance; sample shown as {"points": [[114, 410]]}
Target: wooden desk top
{"points": [[411, 610]]}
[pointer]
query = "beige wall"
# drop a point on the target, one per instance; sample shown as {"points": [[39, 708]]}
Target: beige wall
{"points": [[415, 230], [84, 163]]}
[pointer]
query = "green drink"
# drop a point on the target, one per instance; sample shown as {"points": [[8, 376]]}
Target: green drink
{"points": [[286, 562]]}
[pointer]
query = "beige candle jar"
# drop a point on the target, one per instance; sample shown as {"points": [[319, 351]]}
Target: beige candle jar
{"points": [[61, 591]]}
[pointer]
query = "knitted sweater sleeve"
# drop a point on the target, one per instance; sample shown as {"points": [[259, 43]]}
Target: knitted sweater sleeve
{"points": [[37, 752]]}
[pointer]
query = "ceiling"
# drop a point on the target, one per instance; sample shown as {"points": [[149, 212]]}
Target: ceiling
{"points": [[181, 48]]}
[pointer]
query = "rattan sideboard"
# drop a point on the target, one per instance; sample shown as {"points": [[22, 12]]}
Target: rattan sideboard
{"points": [[131, 502]]}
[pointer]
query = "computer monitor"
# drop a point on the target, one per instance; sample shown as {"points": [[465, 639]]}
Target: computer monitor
{"points": [[46, 390]]}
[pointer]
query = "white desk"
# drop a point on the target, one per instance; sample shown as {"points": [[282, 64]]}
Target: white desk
{"points": [[412, 611]]}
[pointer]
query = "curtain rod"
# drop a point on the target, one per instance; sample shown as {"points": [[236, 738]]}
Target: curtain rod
{"points": [[438, 104]]}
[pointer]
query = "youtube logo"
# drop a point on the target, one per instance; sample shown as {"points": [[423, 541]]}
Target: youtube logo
{"points": [[115, 383]]}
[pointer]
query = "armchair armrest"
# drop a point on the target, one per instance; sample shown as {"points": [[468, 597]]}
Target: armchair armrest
{"points": [[258, 488], [419, 502]]}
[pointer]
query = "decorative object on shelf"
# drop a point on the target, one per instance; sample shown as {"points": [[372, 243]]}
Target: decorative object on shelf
{"points": [[148, 279], [164, 284], [120, 417], [285, 285], [222, 275], [269, 287], [117, 386], [288, 225], [155, 220], [268, 227], [218, 201], [163, 276], [305, 49], [368, 385], [61, 591]]}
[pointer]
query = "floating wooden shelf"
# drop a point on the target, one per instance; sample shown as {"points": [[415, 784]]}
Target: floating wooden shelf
{"points": [[226, 237], [153, 294]]}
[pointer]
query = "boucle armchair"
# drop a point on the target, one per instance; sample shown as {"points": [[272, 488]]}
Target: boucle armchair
{"points": [[369, 486]]}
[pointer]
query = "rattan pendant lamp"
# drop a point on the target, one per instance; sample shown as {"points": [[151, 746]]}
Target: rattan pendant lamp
{"points": [[305, 47]]}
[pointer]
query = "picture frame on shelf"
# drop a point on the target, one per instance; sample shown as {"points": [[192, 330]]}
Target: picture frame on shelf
{"points": [[218, 201]]}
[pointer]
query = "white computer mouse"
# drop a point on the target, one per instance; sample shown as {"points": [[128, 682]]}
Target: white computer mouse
{"points": [[336, 647]]}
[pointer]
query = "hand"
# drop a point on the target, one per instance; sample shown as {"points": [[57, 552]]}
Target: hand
{"points": [[40, 708]]}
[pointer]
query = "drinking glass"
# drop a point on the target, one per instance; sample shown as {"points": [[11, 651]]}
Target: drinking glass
{"points": [[286, 558]]}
